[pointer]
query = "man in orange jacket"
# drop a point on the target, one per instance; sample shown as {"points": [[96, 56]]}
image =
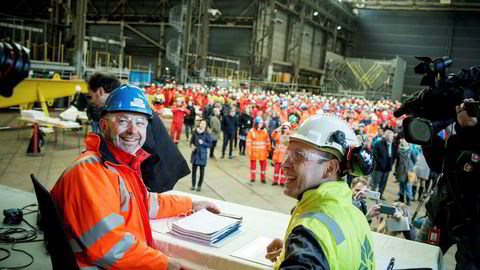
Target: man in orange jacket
{"points": [[280, 136], [102, 198], [258, 145]]}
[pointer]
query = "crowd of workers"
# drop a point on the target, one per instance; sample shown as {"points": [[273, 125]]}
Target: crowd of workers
{"points": [[111, 229], [262, 123]]}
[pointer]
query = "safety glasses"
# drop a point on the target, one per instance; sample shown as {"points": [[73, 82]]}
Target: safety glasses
{"points": [[125, 121], [296, 156]]}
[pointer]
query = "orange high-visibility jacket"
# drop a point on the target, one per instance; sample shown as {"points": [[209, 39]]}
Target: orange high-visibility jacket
{"points": [[280, 147], [258, 144], [106, 209]]}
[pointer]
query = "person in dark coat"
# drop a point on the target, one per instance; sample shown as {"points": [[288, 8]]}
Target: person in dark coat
{"points": [[189, 119], [207, 112], [199, 143], [166, 165], [229, 127], [385, 152], [245, 124], [237, 117]]}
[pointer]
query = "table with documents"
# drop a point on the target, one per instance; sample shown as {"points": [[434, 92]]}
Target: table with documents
{"points": [[246, 249]]}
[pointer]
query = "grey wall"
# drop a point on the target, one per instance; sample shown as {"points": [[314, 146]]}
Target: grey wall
{"points": [[385, 34]]}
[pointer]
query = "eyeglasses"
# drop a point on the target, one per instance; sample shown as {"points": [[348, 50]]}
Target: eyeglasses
{"points": [[296, 156], [126, 121]]}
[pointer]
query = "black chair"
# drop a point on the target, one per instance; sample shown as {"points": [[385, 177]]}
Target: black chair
{"points": [[61, 253]]}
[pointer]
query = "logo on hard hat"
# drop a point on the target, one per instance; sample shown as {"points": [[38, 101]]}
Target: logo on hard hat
{"points": [[137, 102]]}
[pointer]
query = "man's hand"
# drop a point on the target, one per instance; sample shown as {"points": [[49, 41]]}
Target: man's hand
{"points": [[361, 195], [197, 206], [463, 119], [373, 212], [274, 249], [200, 141]]}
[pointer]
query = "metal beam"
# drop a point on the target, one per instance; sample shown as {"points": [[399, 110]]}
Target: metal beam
{"points": [[123, 3], [144, 36], [309, 20], [80, 37], [270, 30], [328, 15], [160, 3], [93, 6], [252, 3], [296, 74]]}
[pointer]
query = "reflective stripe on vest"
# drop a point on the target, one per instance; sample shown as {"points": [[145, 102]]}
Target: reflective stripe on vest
{"points": [[124, 197], [89, 268], [83, 160], [259, 143], [116, 252], [104, 226], [331, 224]]}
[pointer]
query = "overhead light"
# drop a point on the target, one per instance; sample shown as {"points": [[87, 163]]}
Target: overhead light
{"points": [[315, 13], [339, 27], [167, 68]]}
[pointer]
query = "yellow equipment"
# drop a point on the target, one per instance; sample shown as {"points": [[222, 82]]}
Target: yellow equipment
{"points": [[42, 90]]}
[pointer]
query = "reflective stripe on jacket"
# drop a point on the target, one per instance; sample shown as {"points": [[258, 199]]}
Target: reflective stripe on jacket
{"points": [[106, 209], [339, 227], [258, 144]]}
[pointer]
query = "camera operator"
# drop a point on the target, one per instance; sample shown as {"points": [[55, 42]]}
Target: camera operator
{"points": [[452, 210]]}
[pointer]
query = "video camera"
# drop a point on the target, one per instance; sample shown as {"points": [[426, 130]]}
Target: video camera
{"points": [[14, 66], [433, 109]]}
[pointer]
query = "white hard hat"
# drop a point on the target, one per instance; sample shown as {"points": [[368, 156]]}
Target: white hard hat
{"points": [[320, 131]]}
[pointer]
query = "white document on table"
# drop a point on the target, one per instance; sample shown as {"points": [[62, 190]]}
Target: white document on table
{"points": [[255, 251], [394, 225], [205, 222]]}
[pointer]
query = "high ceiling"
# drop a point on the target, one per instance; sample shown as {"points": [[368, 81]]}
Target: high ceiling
{"points": [[421, 5]]}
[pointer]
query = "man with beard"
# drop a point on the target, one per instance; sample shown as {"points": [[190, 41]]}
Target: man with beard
{"points": [[326, 230], [102, 198], [159, 172]]}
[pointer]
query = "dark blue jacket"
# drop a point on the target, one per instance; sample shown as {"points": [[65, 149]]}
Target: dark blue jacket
{"points": [[384, 163], [229, 124], [200, 154]]}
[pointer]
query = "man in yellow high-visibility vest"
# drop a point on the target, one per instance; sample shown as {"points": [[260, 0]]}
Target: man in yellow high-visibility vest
{"points": [[326, 231]]}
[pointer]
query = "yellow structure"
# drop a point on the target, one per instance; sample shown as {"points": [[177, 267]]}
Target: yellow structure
{"points": [[42, 90]]}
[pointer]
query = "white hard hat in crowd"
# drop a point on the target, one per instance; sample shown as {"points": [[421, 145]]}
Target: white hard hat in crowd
{"points": [[321, 131]]}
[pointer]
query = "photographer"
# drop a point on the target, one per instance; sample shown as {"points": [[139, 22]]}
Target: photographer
{"points": [[457, 222], [453, 209]]}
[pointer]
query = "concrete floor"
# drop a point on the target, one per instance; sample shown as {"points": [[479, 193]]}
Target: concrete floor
{"points": [[224, 179]]}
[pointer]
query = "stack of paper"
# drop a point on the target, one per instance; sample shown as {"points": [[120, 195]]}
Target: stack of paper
{"points": [[205, 227], [31, 114]]}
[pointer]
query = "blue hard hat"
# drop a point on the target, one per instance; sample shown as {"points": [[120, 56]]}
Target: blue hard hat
{"points": [[258, 119], [127, 98]]}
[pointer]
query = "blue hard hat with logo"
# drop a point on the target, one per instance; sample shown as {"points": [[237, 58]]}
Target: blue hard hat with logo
{"points": [[127, 98]]}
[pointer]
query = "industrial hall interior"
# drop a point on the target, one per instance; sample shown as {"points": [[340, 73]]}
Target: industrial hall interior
{"points": [[130, 132]]}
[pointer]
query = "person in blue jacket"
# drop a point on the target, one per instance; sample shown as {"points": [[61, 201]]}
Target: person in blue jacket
{"points": [[200, 142]]}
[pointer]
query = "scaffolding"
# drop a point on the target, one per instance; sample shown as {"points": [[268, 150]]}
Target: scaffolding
{"points": [[366, 77]]}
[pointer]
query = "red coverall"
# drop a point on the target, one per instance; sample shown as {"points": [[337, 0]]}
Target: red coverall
{"points": [[177, 122]]}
